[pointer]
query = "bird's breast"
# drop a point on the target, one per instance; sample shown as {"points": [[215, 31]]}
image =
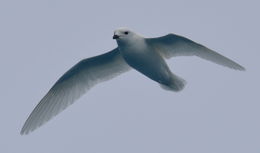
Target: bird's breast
{"points": [[134, 54], [148, 62]]}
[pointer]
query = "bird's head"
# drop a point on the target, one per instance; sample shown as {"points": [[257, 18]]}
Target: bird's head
{"points": [[124, 35]]}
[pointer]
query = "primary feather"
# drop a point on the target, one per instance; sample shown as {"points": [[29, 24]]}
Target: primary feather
{"points": [[73, 84], [173, 45]]}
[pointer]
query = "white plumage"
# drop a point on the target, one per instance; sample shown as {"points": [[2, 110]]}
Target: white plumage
{"points": [[145, 55]]}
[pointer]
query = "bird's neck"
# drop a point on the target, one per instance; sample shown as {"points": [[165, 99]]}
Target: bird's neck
{"points": [[131, 44], [132, 49]]}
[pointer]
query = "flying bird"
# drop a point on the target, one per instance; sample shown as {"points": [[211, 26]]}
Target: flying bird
{"points": [[146, 55]]}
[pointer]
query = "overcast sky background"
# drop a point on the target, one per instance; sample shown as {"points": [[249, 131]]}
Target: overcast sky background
{"points": [[217, 112]]}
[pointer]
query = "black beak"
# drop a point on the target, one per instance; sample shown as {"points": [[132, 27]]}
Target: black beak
{"points": [[115, 37]]}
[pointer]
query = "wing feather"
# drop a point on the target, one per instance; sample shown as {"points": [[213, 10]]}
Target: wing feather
{"points": [[173, 45], [74, 83]]}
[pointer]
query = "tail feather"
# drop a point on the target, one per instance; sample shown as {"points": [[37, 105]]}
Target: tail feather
{"points": [[176, 84]]}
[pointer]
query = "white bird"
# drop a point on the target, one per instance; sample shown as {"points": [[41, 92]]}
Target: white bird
{"points": [[145, 55]]}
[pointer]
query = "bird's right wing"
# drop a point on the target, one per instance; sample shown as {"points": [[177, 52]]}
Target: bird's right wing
{"points": [[173, 45], [73, 84]]}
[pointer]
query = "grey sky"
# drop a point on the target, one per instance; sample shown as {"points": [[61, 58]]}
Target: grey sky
{"points": [[217, 112]]}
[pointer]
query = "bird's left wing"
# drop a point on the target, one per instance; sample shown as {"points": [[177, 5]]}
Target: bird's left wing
{"points": [[73, 84], [173, 45]]}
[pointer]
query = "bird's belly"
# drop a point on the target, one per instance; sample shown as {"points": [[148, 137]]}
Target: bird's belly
{"points": [[149, 64]]}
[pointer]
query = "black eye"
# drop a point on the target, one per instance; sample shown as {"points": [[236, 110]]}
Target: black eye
{"points": [[126, 32]]}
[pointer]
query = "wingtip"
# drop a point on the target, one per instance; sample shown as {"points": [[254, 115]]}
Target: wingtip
{"points": [[240, 68], [243, 69], [23, 132]]}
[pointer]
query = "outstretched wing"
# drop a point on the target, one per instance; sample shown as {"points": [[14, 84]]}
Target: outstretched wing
{"points": [[174, 45], [73, 84]]}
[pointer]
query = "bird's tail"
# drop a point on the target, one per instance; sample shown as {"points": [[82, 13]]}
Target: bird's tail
{"points": [[176, 84]]}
